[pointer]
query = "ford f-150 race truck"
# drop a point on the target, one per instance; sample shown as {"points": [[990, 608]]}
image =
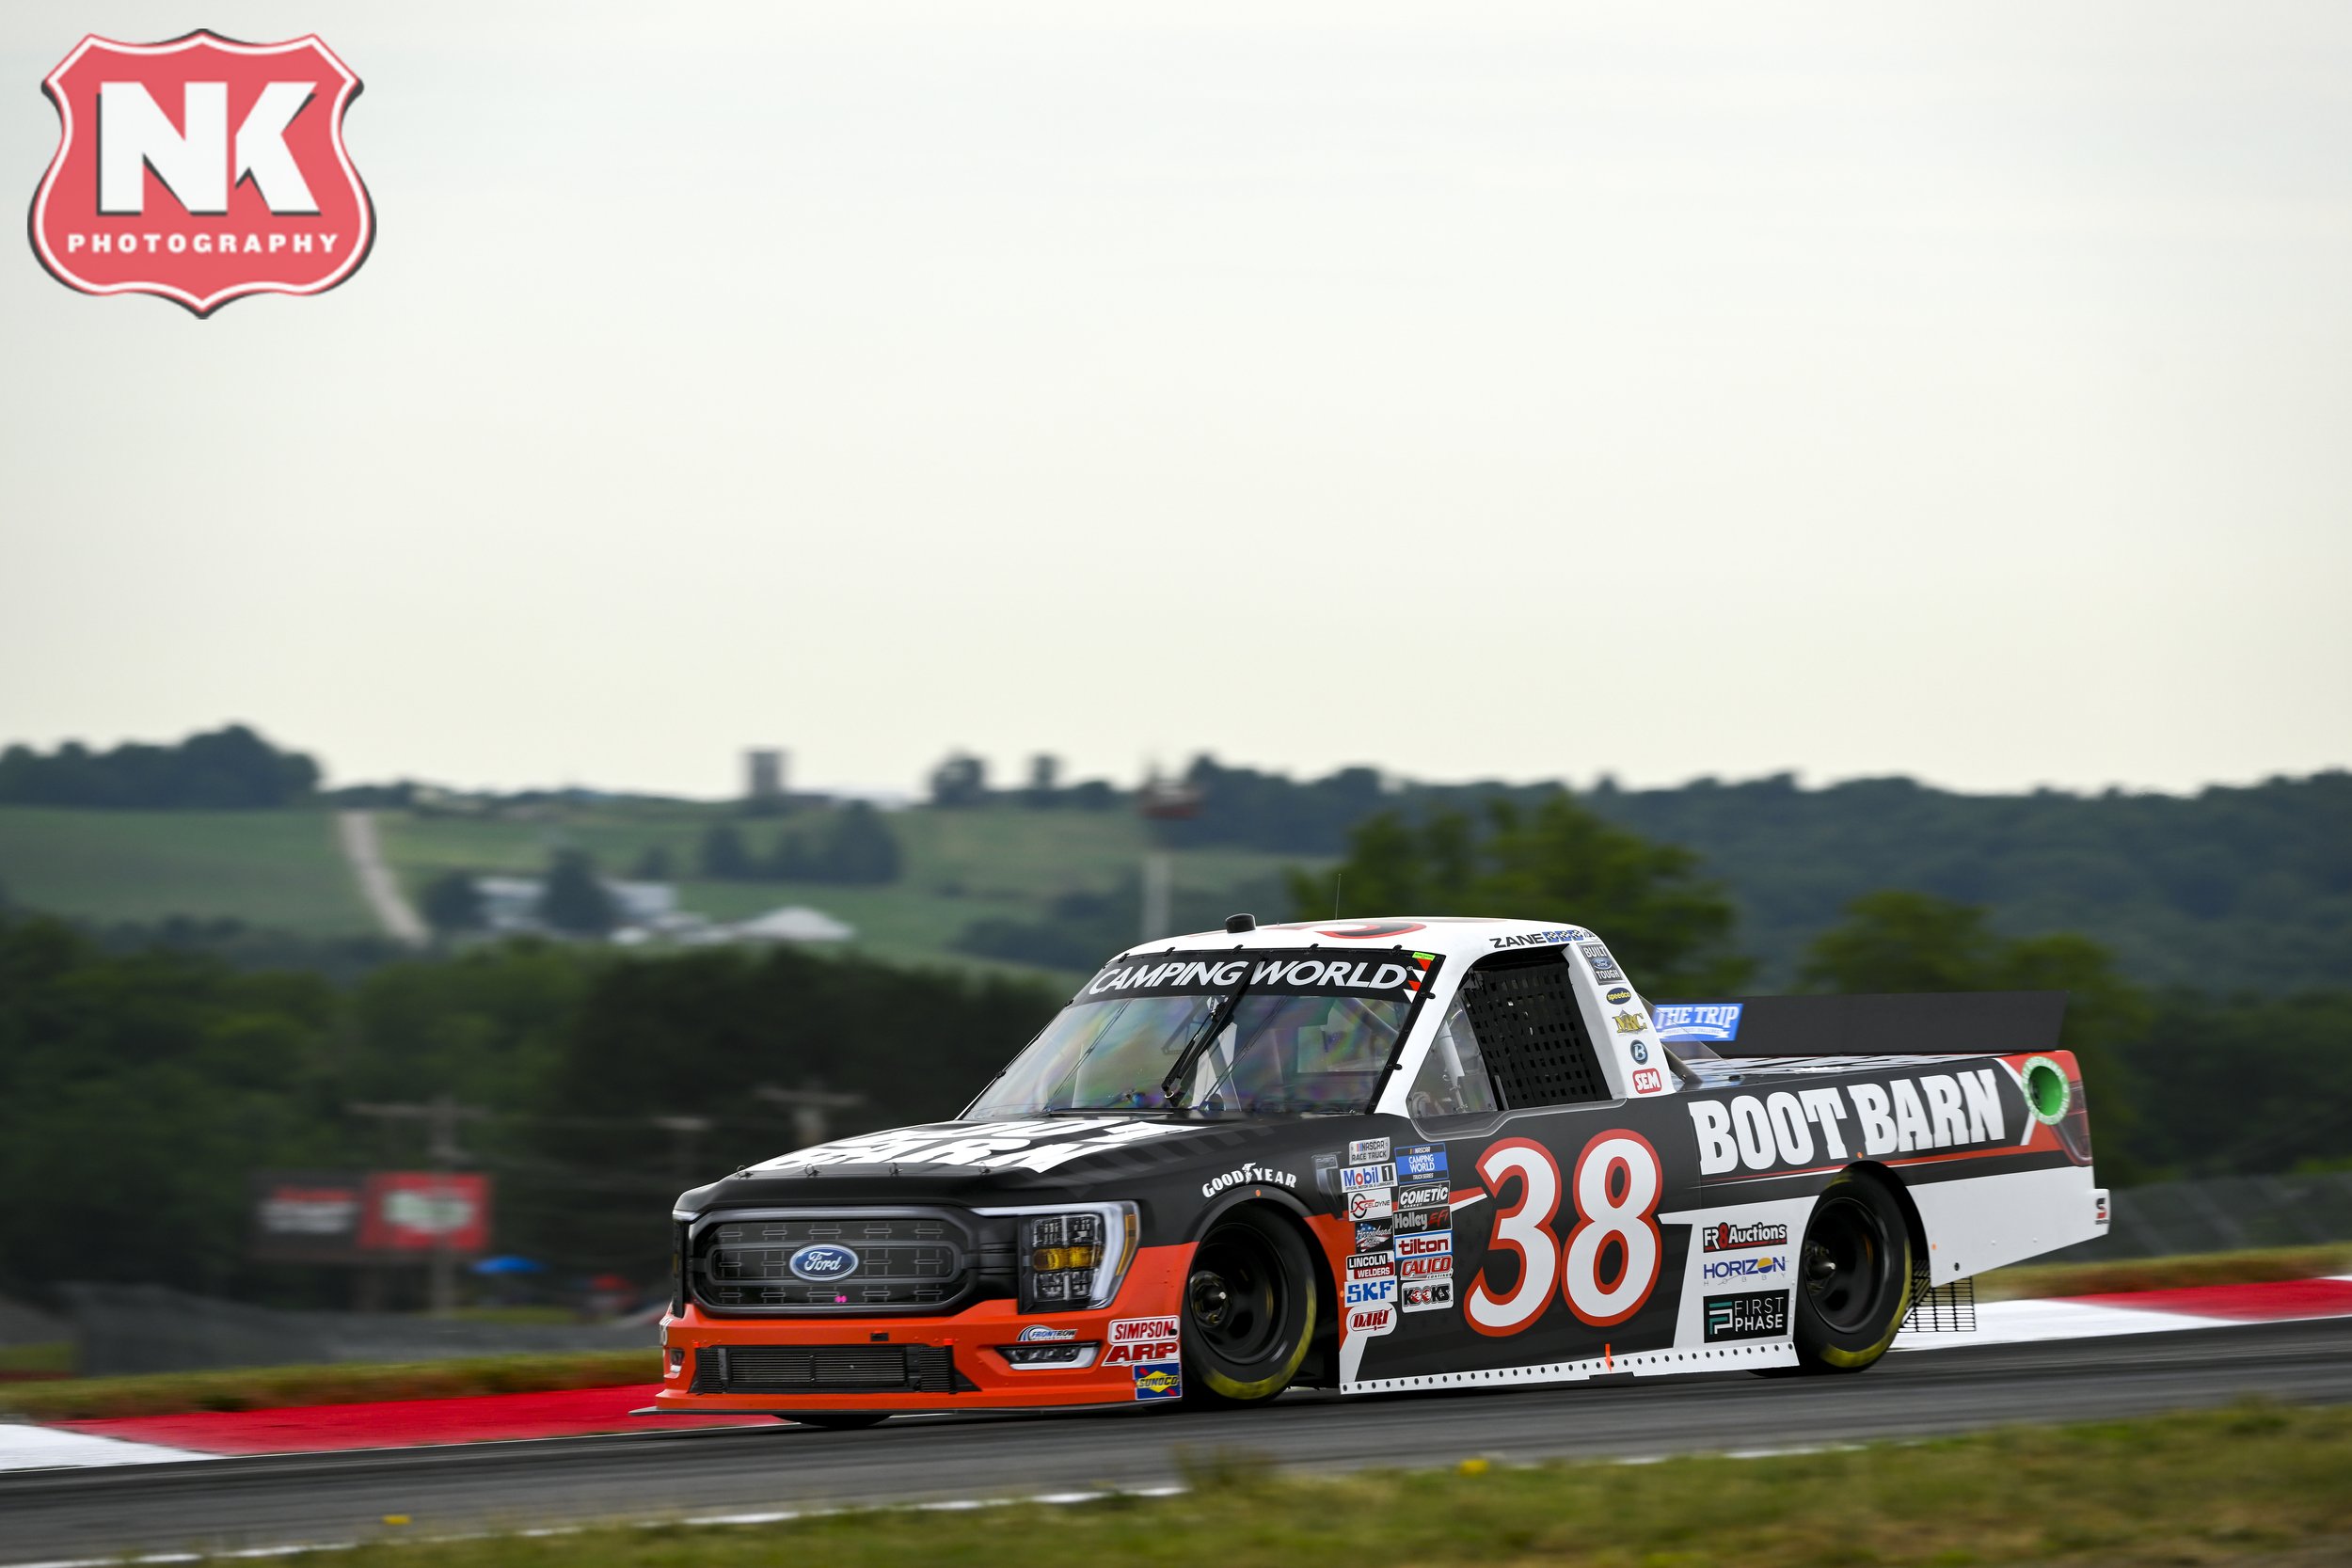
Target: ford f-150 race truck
{"points": [[1389, 1154]]}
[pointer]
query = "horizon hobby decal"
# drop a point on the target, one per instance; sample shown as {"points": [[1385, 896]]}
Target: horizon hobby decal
{"points": [[201, 170]]}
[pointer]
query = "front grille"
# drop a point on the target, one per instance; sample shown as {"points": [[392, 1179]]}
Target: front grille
{"points": [[826, 1368], [919, 1262]]}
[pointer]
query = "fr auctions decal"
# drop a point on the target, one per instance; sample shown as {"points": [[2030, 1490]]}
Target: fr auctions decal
{"points": [[201, 170]]}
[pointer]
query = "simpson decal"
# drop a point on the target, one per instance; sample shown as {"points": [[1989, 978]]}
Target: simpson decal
{"points": [[201, 170], [1794, 1128], [1138, 1341]]}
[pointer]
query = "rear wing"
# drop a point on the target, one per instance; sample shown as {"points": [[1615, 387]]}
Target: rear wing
{"points": [[1943, 1023]]}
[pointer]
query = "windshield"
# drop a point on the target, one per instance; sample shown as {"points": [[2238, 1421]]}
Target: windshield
{"points": [[1312, 1032]]}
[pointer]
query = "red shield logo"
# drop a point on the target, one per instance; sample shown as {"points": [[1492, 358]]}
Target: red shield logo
{"points": [[203, 170]]}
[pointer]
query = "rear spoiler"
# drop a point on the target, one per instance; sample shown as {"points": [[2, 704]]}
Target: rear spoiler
{"points": [[1942, 1024]]}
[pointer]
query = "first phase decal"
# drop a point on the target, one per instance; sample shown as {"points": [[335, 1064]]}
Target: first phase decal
{"points": [[202, 169]]}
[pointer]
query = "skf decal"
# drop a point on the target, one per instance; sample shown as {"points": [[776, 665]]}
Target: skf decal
{"points": [[203, 170], [1364, 1292], [1244, 1176], [1791, 1129], [1163, 1381]]}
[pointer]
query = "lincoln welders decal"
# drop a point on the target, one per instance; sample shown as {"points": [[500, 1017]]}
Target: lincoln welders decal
{"points": [[1915, 1113]]}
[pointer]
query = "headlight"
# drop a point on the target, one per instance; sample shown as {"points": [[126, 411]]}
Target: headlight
{"points": [[1073, 1258]]}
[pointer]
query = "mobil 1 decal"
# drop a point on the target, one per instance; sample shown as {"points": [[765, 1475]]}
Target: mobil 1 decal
{"points": [[1539, 1243], [1898, 1115]]}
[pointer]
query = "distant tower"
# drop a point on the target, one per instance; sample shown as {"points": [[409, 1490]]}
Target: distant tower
{"points": [[764, 768]]}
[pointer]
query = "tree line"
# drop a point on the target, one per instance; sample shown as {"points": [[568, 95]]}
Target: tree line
{"points": [[227, 769]]}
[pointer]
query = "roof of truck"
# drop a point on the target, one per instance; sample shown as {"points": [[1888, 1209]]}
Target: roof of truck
{"points": [[1454, 935]]}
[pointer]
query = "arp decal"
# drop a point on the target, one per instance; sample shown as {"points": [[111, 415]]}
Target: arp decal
{"points": [[201, 170], [1139, 1340], [1915, 1112], [1614, 1187]]}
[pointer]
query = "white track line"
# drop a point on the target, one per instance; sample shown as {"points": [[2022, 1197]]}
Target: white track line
{"points": [[26, 1448]]}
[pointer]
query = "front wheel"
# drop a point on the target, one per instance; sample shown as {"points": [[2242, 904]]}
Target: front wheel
{"points": [[1854, 1275], [1249, 1309]]}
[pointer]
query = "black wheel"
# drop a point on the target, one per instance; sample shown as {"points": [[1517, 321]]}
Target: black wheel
{"points": [[1854, 1275], [1249, 1309], [842, 1422]]}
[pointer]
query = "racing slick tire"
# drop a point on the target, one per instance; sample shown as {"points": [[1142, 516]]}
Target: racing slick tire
{"points": [[845, 1421], [1853, 1276], [1250, 1309]]}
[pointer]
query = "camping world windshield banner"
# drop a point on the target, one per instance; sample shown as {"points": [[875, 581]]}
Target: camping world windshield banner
{"points": [[1396, 974], [201, 170]]}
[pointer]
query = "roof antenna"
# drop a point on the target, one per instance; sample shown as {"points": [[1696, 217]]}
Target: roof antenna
{"points": [[1337, 877]]}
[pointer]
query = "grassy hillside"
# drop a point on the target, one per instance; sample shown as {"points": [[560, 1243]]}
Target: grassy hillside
{"points": [[1000, 861], [271, 868]]}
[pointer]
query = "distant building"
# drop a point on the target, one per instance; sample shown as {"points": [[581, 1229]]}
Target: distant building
{"points": [[764, 773], [793, 923]]}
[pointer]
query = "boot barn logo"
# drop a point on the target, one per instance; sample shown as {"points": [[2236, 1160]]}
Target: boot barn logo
{"points": [[203, 170]]}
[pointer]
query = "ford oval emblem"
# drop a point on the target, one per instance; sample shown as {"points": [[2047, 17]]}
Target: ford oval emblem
{"points": [[824, 1263]]}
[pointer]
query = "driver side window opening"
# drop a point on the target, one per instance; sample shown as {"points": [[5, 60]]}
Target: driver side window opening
{"points": [[1513, 1039]]}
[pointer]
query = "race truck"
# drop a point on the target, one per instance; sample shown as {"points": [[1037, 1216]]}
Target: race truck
{"points": [[1379, 1155]]}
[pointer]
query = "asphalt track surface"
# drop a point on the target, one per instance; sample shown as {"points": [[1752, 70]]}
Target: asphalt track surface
{"points": [[259, 1502]]}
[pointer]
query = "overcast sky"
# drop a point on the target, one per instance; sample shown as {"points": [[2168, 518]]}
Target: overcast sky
{"points": [[1963, 391]]}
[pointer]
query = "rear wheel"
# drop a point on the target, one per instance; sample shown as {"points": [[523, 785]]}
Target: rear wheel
{"points": [[1854, 1275], [1249, 1309], [841, 1421]]}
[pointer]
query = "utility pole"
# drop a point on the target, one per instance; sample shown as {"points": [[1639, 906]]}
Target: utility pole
{"points": [[810, 1106], [683, 1131], [1162, 800], [440, 1117]]}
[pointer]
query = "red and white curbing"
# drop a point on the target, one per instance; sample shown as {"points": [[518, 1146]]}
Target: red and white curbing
{"points": [[586, 1412]]}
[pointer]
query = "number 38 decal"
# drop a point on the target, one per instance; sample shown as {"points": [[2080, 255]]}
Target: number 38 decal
{"points": [[1610, 1264]]}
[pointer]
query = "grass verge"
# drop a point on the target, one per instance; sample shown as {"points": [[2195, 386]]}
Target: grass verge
{"points": [[2163, 1273], [2214, 1487], [274, 1388]]}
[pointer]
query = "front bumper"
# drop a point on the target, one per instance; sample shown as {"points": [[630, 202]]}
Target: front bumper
{"points": [[973, 1339]]}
